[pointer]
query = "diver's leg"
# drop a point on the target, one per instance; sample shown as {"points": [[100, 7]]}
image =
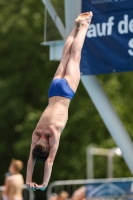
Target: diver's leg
{"points": [[60, 72], [72, 74]]}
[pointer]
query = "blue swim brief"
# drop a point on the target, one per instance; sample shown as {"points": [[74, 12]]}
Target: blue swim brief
{"points": [[60, 87]]}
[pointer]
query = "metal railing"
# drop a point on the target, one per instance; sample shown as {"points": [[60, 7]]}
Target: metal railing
{"points": [[71, 185], [93, 150]]}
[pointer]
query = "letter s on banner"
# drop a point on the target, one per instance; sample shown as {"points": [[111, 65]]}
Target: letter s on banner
{"points": [[130, 43]]}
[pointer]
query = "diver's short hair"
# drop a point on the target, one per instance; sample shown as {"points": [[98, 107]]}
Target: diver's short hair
{"points": [[41, 151]]}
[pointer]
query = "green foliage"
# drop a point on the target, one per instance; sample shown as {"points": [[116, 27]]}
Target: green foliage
{"points": [[25, 76]]}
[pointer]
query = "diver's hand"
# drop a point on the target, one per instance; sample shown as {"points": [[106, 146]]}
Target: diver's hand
{"points": [[31, 186], [41, 187]]}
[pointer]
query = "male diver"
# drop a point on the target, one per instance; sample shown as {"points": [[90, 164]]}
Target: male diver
{"points": [[46, 136]]}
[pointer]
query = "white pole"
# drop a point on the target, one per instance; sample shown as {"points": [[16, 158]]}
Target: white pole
{"points": [[72, 10], [89, 162], [110, 118]]}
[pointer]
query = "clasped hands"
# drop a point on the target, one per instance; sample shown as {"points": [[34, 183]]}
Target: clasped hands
{"points": [[33, 186]]}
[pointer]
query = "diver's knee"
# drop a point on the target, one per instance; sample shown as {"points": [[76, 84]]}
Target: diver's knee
{"points": [[76, 56]]}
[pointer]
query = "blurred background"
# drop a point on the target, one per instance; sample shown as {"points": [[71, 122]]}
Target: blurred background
{"points": [[25, 76]]}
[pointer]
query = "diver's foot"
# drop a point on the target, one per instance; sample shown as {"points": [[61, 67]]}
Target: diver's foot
{"points": [[84, 18]]}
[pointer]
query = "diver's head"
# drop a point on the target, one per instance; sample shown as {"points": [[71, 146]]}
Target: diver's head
{"points": [[40, 151]]}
